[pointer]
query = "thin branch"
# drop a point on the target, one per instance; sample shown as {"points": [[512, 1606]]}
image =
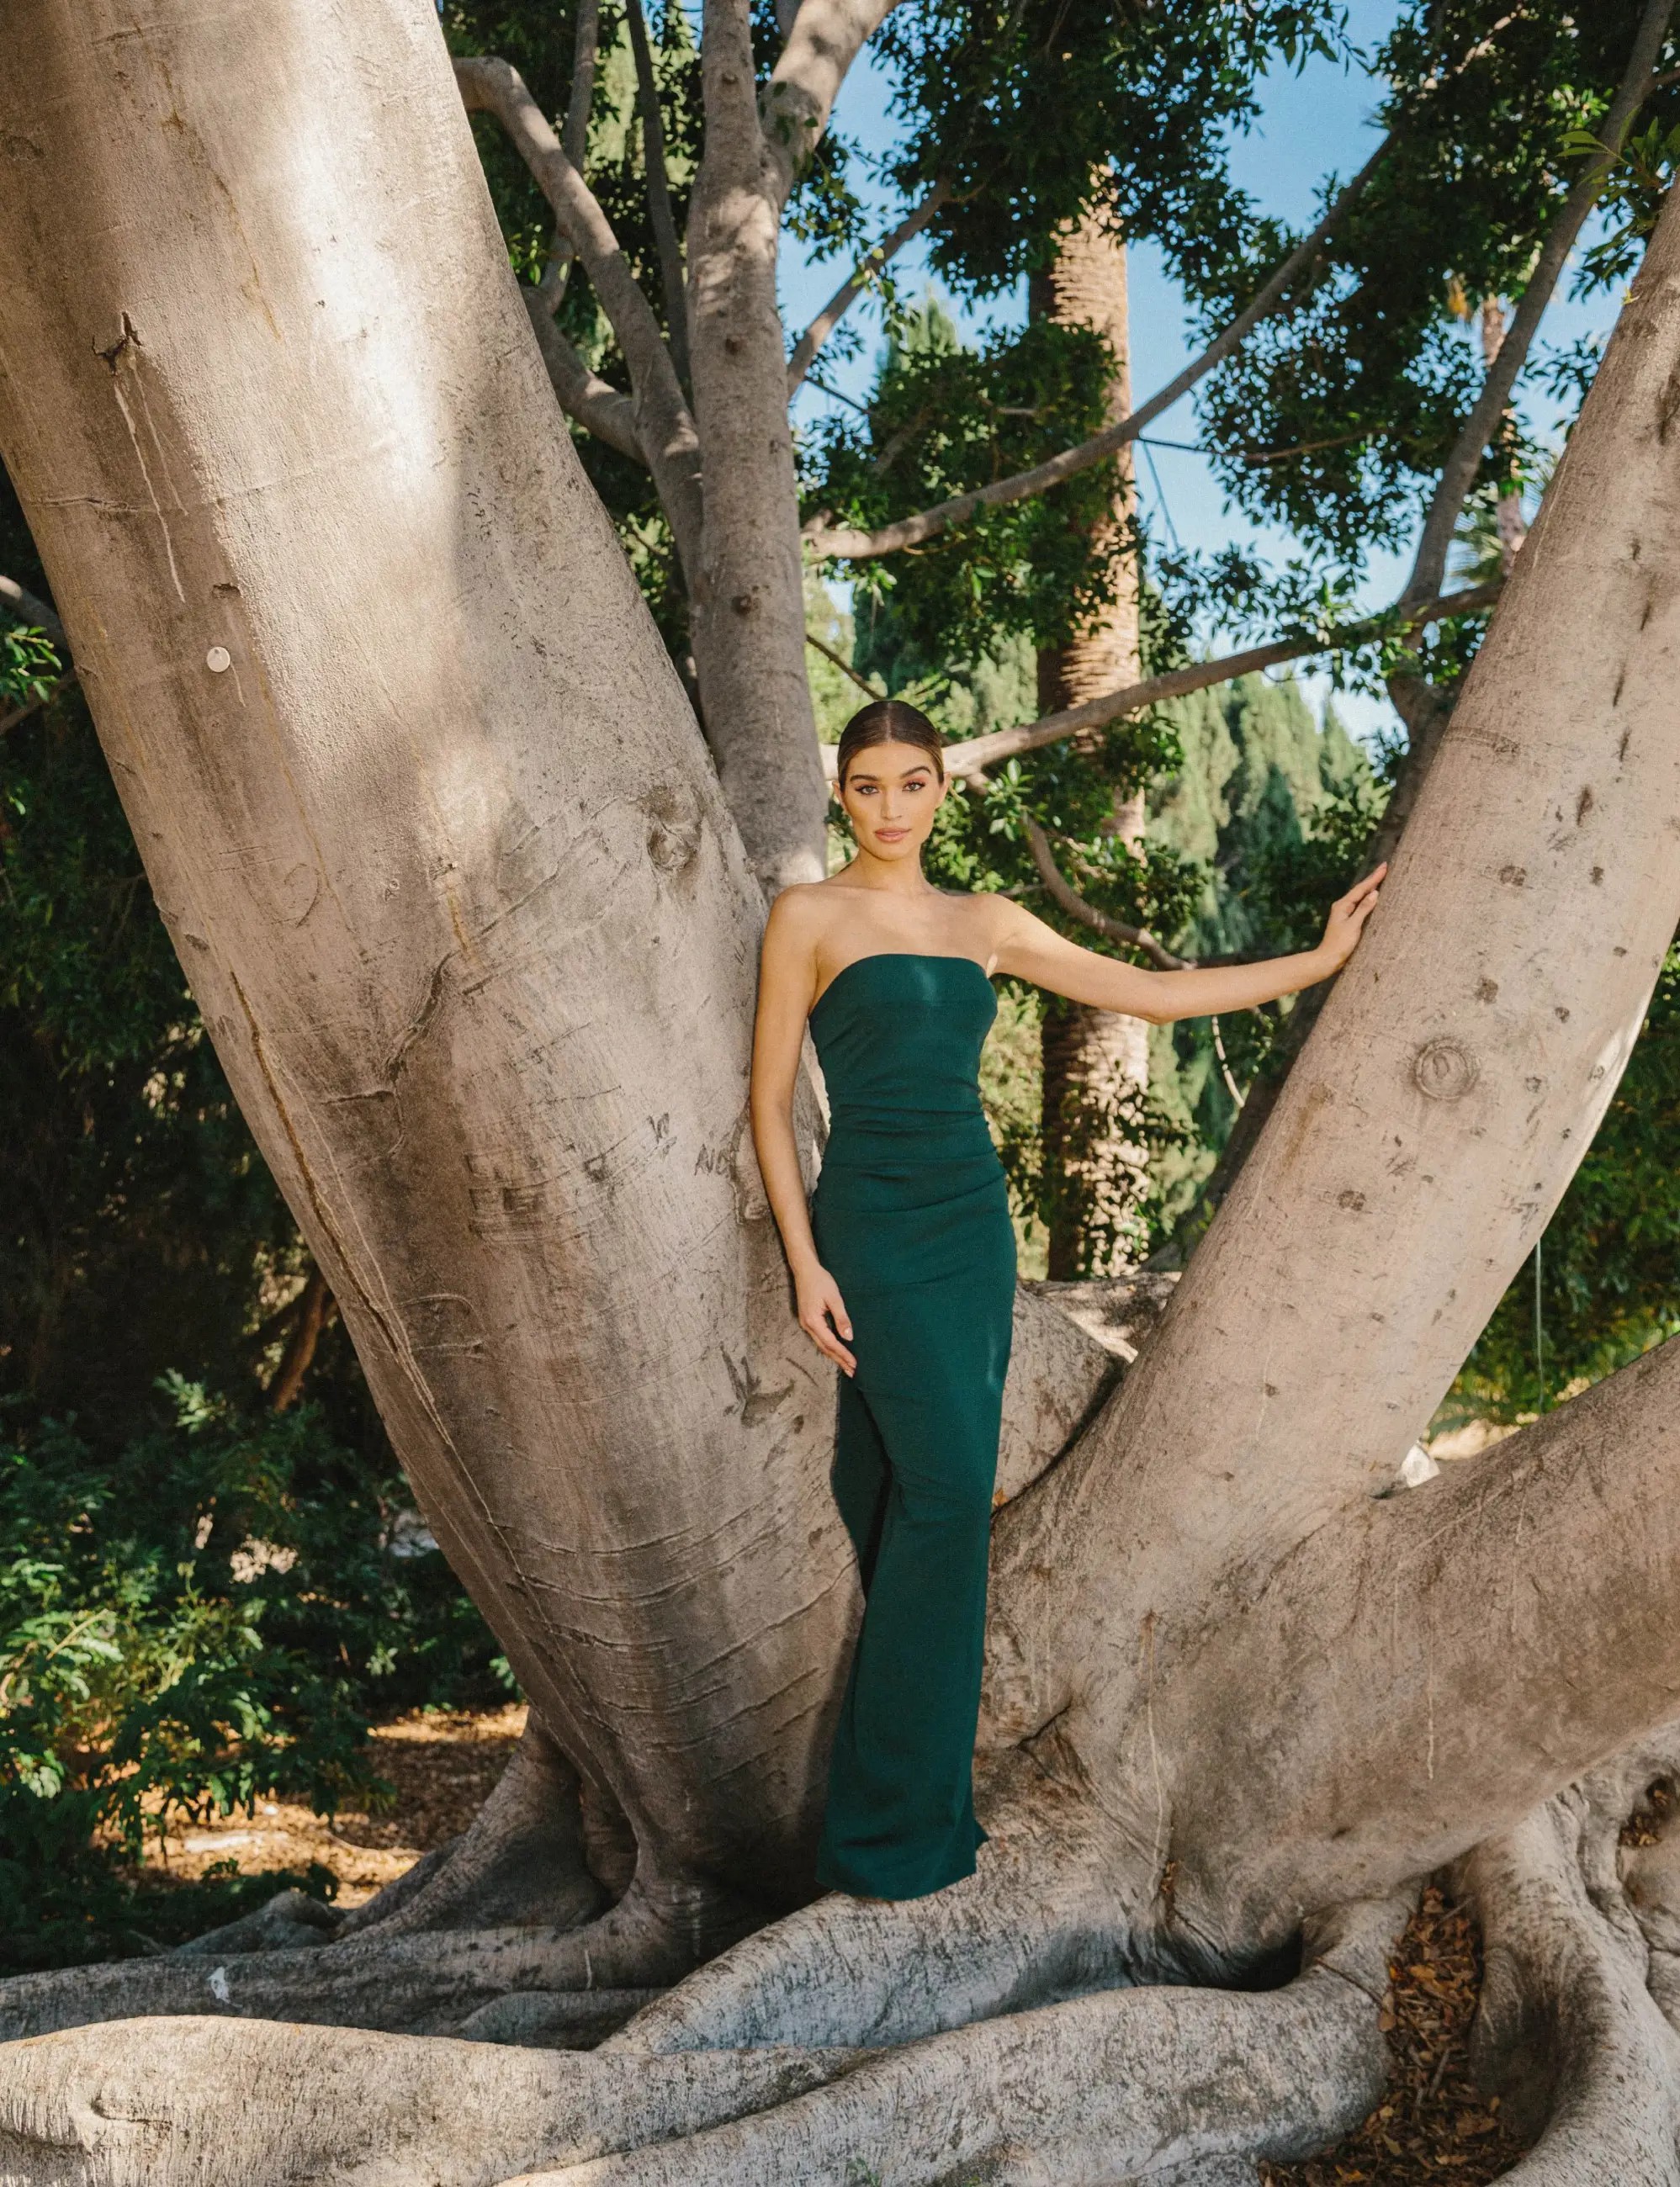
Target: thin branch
{"points": [[314, 1305], [606, 412], [867, 270], [844, 665], [574, 142], [1061, 891], [9, 720], [659, 213], [665, 427], [911, 531], [575, 129], [1458, 474], [1225, 1071], [973, 755], [18, 602]]}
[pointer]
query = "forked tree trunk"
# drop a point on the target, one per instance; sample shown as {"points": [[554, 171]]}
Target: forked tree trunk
{"points": [[474, 935], [445, 862], [1095, 1064], [748, 606]]}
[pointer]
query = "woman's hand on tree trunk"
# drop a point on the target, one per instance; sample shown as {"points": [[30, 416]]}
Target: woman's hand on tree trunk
{"points": [[822, 1315], [1346, 921]]}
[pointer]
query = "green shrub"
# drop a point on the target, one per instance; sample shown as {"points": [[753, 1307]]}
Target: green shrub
{"points": [[206, 1615]]}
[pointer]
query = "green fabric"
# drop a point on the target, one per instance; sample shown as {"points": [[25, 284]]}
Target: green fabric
{"points": [[911, 1220]]}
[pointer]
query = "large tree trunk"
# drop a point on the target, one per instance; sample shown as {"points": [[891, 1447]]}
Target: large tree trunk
{"points": [[447, 863], [474, 933], [1095, 1063]]}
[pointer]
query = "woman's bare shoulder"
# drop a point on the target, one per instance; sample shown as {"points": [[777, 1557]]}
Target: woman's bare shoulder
{"points": [[989, 917], [803, 914]]}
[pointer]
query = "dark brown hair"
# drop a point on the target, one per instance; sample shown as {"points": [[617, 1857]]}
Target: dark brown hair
{"points": [[887, 722]]}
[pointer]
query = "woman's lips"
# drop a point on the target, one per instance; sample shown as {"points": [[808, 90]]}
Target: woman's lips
{"points": [[890, 835]]}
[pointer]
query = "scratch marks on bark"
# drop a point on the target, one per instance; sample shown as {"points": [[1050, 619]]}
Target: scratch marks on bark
{"points": [[116, 356], [1163, 1830], [756, 1404], [420, 1023]]}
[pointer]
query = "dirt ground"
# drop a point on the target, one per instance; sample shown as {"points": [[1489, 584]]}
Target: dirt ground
{"points": [[1433, 2125], [441, 1766]]}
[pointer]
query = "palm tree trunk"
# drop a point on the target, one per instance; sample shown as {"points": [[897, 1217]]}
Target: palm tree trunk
{"points": [[1096, 1064]]}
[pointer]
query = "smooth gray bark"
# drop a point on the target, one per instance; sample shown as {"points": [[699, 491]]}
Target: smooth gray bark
{"points": [[445, 862]]}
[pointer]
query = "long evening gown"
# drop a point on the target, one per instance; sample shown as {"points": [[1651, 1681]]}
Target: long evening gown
{"points": [[912, 1219]]}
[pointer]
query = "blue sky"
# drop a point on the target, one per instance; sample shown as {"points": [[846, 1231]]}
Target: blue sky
{"points": [[1311, 124]]}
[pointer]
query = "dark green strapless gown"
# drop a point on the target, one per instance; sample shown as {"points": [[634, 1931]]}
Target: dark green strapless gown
{"points": [[911, 1220]]}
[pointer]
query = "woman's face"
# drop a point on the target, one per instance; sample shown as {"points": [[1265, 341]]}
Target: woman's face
{"points": [[890, 796]]}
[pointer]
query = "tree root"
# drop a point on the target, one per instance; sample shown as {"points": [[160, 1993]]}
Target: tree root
{"points": [[427, 1982], [1102, 2089], [522, 1860], [1575, 1932], [202, 2103], [1042, 1920]]}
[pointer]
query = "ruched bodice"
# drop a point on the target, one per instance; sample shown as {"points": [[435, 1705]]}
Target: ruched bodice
{"points": [[896, 1033], [912, 1218]]}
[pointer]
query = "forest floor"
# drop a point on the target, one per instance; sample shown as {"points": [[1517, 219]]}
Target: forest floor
{"points": [[440, 1765], [1433, 2125]]}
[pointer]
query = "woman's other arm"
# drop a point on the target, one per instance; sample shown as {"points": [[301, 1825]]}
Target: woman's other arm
{"points": [[1028, 949]]}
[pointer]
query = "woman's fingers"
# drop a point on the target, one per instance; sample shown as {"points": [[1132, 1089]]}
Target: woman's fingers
{"points": [[834, 1306], [829, 1346], [1349, 913], [823, 1317], [1363, 891]]}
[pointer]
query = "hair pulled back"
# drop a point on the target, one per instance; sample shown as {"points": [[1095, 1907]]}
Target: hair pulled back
{"points": [[887, 722]]}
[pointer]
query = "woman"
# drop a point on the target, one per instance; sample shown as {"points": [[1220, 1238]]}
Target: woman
{"points": [[904, 1264]]}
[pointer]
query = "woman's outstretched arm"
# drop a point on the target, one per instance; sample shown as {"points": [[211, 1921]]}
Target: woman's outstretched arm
{"points": [[787, 981], [1028, 949]]}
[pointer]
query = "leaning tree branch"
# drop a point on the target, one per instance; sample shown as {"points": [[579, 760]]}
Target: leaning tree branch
{"points": [[314, 1304], [659, 213], [665, 428], [845, 667], [599, 408], [975, 754], [1425, 711], [1458, 473], [1498, 1631], [20, 605], [867, 270], [1061, 891], [852, 545]]}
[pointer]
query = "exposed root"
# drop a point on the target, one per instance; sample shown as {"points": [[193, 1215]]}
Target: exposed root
{"points": [[555, 2019], [1102, 2089], [1044, 1918], [522, 1860], [427, 1982], [1568, 2026], [204, 2104]]}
